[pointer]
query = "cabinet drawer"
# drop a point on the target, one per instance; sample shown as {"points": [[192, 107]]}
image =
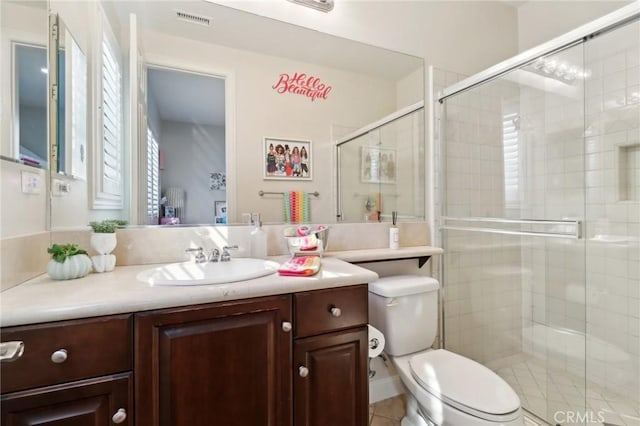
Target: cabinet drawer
{"points": [[94, 347], [315, 311]]}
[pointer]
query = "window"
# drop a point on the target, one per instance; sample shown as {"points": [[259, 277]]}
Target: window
{"points": [[153, 180], [108, 172], [510, 127]]}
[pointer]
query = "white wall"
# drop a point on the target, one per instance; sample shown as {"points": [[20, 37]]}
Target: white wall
{"points": [[558, 17], [191, 153], [21, 214], [261, 112]]}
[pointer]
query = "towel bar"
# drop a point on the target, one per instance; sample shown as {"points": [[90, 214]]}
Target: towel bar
{"points": [[261, 193]]}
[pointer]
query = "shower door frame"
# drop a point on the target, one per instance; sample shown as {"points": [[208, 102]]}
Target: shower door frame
{"points": [[573, 38]]}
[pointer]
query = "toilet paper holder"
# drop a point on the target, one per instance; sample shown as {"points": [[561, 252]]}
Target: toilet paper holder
{"points": [[374, 343]]}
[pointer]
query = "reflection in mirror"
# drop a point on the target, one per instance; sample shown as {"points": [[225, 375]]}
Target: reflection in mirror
{"points": [[185, 147], [31, 106], [24, 82], [71, 105], [381, 169], [253, 53]]}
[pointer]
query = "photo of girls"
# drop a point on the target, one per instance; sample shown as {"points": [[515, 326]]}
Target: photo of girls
{"points": [[287, 159]]}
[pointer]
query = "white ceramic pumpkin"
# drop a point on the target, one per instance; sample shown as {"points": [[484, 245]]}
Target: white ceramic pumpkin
{"points": [[76, 266]]}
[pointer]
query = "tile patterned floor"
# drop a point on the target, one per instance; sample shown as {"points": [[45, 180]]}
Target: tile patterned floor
{"points": [[387, 412], [545, 391]]}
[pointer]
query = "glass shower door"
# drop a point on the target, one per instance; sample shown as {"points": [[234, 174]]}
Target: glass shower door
{"points": [[512, 215], [612, 145]]}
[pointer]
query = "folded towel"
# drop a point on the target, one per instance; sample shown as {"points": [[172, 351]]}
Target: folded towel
{"points": [[302, 266], [295, 207]]}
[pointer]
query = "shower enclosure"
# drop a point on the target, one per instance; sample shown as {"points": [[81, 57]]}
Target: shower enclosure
{"points": [[540, 222], [381, 169]]}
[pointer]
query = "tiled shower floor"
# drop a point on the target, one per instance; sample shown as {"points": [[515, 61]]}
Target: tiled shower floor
{"points": [[545, 391]]}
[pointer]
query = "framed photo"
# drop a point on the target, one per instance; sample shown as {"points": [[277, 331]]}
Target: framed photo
{"points": [[221, 211], [287, 159], [377, 165], [218, 181]]}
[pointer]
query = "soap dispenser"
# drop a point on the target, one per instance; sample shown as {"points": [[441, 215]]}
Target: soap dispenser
{"points": [[258, 240]]}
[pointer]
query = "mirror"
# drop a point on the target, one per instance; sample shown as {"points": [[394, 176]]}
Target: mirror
{"points": [[71, 104], [281, 82], [24, 82]]}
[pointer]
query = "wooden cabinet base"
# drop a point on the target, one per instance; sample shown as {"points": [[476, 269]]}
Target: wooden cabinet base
{"points": [[91, 402], [222, 364], [331, 381]]}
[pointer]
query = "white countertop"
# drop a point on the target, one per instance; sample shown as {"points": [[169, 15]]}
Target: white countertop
{"points": [[43, 299]]}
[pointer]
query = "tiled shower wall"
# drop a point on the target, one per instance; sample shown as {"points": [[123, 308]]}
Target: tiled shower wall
{"points": [[612, 143], [482, 309], [578, 160]]}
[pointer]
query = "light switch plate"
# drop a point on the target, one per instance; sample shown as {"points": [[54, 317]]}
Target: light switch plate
{"points": [[31, 183], [60, 188]]}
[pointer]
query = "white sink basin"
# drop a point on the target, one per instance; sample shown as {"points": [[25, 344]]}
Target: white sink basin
{"points": [[191, 273]]}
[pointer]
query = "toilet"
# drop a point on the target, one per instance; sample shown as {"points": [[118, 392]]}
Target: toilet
{"points": [[443, 388]]}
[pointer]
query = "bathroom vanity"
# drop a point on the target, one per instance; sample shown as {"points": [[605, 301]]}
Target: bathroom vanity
{"points": [[283, 351]]}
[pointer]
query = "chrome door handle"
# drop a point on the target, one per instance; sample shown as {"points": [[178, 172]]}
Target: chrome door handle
{"points": [[303, 371], [11, 351], [120, 416], [59, 356]]}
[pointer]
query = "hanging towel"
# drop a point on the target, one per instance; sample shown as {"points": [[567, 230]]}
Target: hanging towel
{"points": [[295, 207]]}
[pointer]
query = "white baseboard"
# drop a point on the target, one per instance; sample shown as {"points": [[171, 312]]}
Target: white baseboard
{"points": [[384, 388]]}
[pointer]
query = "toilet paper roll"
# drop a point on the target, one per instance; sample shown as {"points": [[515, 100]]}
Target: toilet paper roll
{"points": [[376, 342]]}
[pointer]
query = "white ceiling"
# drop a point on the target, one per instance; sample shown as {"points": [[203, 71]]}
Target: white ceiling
{"points": [[188, 98]]}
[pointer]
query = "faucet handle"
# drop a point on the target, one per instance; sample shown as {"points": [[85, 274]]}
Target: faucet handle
{"points": [[226, 256], [200, 257]]}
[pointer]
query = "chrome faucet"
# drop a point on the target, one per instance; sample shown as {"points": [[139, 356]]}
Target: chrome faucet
{"points": [[214, 256], [226, 256], [200, 257]]}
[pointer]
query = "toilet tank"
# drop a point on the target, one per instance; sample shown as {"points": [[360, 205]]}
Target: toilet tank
{"points": [[405, 309]]}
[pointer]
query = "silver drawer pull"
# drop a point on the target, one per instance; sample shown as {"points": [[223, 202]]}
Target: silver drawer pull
{"points": [[336, 312], [303, 371], [286, 326], [59, 356], [11, 351], [120, 416]]}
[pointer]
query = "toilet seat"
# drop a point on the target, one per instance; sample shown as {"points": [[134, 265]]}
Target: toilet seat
{"points": [[464, 384]]}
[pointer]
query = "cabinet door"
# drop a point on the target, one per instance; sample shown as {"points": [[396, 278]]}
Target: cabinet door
{"points": [[226, 364], [95, 402], [331, 379]]}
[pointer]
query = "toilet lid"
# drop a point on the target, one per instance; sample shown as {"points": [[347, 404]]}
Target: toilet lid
{"points": [[463, 383]]}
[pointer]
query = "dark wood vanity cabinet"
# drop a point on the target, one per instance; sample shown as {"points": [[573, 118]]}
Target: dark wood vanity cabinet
{"points": [[330, 357], [296, 359], [219, 364], [71, 372]]}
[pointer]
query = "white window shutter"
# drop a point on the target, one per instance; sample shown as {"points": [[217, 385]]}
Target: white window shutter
{"points": [[108, 154]]}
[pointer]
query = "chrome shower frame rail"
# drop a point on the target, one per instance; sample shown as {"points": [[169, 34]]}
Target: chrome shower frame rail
{"points": [[576, 234]]}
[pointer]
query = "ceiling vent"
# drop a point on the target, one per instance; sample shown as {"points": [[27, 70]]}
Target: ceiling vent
{"points": [[193, 19], [321, 5]]}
